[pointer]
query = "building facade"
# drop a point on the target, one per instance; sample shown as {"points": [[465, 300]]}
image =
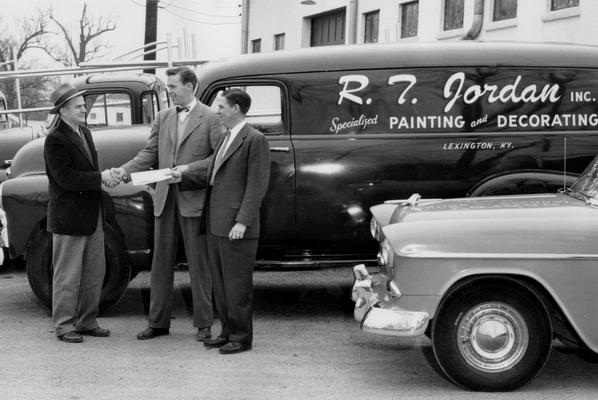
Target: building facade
{"points": [[289, 24]]}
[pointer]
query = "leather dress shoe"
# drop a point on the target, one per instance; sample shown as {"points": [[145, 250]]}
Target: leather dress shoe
{"points": [[151, 333], [97, 332], [71, 337], [215, 343], [234, 347], [203, 334]]}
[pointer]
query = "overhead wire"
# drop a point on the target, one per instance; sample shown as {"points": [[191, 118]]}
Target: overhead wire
{"points": [[204, 14], [195, 20], [210, 5], [166, 6], [201, 22]]}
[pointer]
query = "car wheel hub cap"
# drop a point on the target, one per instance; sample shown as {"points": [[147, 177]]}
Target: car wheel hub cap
{"points": [[492, 337]]}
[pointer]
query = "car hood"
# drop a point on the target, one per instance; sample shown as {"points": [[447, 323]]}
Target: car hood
{"points": [[12, 140], [502, 226], [115, 146]]}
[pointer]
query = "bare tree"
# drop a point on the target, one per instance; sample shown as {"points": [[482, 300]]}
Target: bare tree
{"points": [[85, 43], [32, 33]]}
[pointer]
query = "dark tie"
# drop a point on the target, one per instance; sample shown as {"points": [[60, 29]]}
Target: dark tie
{"points": [[182, 108], [220, 156], [85, 144]]}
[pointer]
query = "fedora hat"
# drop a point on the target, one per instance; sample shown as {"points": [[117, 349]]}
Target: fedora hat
{"points": [[64, 93]]}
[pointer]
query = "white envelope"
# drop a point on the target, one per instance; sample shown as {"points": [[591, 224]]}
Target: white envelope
{"points": [[145, 177]]}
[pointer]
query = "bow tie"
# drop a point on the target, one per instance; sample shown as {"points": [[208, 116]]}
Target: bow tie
{"points": [[182, 108]]}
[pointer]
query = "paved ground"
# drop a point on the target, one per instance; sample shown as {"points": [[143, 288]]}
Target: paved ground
{"points": [[305, 347]]}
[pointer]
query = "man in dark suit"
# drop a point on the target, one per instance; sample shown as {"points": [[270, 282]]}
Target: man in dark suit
{"points": [[75, 219], [238, 180], [182, 138]]}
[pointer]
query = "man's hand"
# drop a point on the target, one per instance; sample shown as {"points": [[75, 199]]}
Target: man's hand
{"points": [[237, 232], [108, 179], [177, 173], [119, 174]]}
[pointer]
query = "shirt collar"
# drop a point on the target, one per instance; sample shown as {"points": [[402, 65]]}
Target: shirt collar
{"points": [[76, 129], [235, 129], [192, 104]]}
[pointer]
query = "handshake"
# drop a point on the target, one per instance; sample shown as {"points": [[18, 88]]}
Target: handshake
{"points": [[115, 176]]}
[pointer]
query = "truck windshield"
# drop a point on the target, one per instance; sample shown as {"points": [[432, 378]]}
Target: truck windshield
{"points": [[587, 184], [2, 108]]}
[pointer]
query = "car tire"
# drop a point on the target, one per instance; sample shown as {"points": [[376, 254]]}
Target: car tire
{"points": [[38, 266], [492, 337]]}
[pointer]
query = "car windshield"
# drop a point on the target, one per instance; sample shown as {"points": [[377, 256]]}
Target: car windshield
{"points": [[587, 183]]}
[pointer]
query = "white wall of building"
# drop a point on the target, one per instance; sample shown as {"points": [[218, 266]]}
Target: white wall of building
{"points": [[534, 23]]}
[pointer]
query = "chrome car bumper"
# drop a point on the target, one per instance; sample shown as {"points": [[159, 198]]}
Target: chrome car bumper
{"points": [[368, 290], [3, 231]]}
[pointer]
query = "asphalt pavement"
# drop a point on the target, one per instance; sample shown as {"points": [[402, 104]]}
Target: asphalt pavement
{"points": [[306, 346]]}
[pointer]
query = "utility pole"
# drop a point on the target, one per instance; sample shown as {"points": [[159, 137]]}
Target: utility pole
{"points": [[151, 31]]}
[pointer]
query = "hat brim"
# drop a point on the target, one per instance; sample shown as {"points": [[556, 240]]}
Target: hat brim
{"points": [[63, 102]]}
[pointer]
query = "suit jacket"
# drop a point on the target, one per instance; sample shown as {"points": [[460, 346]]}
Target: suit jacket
{"points": [[74, 182], [240, 184], [196, 146]]}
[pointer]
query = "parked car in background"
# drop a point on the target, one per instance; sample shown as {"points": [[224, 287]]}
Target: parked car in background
{"points": [[122, 99], [349, 127], [112, 100], [491, 280]]}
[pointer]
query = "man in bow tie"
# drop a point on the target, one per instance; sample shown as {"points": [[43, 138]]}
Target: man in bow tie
{"points": [[182, 138]]}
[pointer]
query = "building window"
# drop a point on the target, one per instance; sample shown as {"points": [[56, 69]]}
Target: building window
{"points": [[256, 45], [328, 29], [119, 117], [560, 4], [371, 27], [279, 41], [453, 14], [504, 9], [409, 19]]}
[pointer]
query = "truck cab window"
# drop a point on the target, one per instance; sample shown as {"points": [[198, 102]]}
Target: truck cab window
{"points": [[149, 103], [164, 98], [108, 109], [265, 113], [2, 108]]}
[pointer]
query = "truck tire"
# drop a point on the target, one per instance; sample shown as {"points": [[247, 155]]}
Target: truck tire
{"points": [[492, 337], [38, 265]]}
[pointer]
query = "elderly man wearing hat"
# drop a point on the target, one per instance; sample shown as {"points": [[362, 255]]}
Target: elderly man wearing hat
{"points": [[75, 219]]}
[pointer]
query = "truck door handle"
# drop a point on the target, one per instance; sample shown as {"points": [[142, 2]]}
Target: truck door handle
{"points": [[280, 149]]}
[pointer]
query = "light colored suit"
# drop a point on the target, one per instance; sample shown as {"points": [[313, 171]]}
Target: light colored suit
{"points": [[197, 143], [177, 213]]}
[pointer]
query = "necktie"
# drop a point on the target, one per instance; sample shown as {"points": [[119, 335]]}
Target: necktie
{"points": [[84, 143], [182, 108], [220, 156]]}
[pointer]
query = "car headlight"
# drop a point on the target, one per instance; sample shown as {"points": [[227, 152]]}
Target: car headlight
{"points": [[385, 256], [375, 229]]}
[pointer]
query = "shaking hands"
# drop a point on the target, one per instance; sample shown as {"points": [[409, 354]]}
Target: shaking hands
{"points": [[113, 177]]}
